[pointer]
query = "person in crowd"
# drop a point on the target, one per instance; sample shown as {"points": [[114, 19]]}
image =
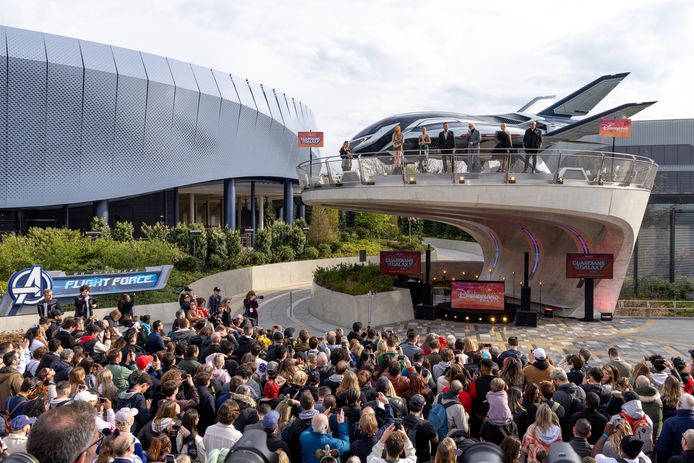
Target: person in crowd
{"points": [[425, 438], [423, 142], [538, 369], [512, 351], [478, 392], [398, 142], [215, 300], [85, 304], [581, 431], [542, 433], [591, 413], [472, 144], [320, 435], [446, 146], [630, 448], [680, 368], [623, 368], [575, 373], [569, 396], [674, 428], [446, 452], [511, 448], [125, 305], [687, 448], [650, 400], [394, 442], [498, 424], [188, 441], [223, 434], [532, 142], [16, 440]]}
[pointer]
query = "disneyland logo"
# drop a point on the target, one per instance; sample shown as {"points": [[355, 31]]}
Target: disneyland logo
{"points": [[310, 140], [481, 297], [399, 262]]}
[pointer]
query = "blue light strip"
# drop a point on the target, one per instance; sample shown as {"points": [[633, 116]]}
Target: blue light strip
{"points": [[536, 247], [496, 248], [578, 236]]}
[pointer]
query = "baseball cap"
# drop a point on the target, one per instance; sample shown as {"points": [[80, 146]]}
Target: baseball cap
{"points": [[313, 378], [272, 367], [19, 421], [513, 341], [417, 402], [125, 414], [539, 353], [270, 420], [217, 289], [277, 336], [631, 446], [85, 396], [143, 361], [289, 332]]}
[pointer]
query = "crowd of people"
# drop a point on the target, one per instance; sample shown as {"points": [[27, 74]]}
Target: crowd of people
{"points": [[217, 385]]}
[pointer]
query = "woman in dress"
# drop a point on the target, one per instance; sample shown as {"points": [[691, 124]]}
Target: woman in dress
{"points": [[346, 155], [250, 305], [398, 147], [424, 140], [503, 147]]}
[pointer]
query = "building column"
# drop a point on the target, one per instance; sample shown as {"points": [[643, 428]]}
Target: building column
{"points": [[253, 222], [229, 211], [302, 209], [66, 216], [165, 207], [176, 208], [191, 208], [288, 201], [101, 209], [21, 221], [261, 212]]}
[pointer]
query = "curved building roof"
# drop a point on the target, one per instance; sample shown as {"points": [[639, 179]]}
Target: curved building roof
{"points": [[83, 121]]}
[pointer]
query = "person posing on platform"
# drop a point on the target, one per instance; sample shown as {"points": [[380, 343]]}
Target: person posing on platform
{"points": [[398, 147], [446, 146], [214, 301], [423, 141], [474, 138], [85, 304], [250, 305], [45, 307], [532, 142], [502, 150], [346, 156]]}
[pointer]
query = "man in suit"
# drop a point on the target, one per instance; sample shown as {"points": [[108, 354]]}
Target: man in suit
{"points": [[84, 303], [532, 142], [446, 146], [473, 148], [46, 306]]}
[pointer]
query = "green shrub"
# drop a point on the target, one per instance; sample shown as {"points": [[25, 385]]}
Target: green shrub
{"points": [[324, 225], [234, 248], [252, 258], [284, 254], [263, 241], [158, 231], [324, 250], [123, 231], [311, 253], [354, 279], [217, 251], [187, 264], [100, 225]]}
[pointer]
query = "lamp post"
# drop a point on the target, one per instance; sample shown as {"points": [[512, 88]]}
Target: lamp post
{"points": [[490, 274], [540, 283], [513, 283]]}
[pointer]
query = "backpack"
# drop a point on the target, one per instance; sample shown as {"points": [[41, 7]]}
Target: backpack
{"points": [[439, 418], [642, 431], [191, 447], [8, 413]]}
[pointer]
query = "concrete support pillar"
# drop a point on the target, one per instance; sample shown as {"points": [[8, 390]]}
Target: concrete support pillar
{"points": [[288, 201], [191, 208], [165, 207], [302, 209], [176, 208], [261, 212], [253, 222], [230, 203], [239, 210], [101, 209]]}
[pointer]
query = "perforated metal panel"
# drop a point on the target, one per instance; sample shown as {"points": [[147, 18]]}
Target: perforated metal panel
{"points": [[131, 106], [63, 111], [3, 110], [159, 116], [99, 122], [26, 111]]}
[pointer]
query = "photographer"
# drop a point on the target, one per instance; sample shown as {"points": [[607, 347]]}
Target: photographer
{"points": [[250, 306], [394, 442]]}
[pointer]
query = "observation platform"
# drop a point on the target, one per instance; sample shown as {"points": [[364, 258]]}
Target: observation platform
{"points": [[575, 202]]}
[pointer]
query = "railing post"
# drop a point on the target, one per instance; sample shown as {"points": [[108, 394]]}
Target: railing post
{"points": [[330, 174], [556, 172], [361, 170], [602, 164]]}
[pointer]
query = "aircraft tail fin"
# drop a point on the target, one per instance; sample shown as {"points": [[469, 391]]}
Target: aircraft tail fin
{"points": [[533, 101], [591, 125], [583, 100]]}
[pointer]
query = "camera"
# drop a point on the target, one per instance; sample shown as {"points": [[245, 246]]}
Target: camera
{"points": [[170, 458], [260, 297], [398, 423], [184, 376]]}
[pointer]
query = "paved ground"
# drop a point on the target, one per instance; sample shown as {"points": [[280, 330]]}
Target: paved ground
{"points": [[637, 337]]}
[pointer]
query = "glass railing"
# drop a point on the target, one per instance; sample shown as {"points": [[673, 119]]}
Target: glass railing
{"points": [[480, 167]]}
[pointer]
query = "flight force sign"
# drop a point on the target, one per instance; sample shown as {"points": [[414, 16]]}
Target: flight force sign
{"points": [[589, 266], [26, 286]]}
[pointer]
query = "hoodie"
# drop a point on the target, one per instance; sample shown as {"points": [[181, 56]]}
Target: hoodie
{"points": [[499, 414], [659, 378], [652, 406], [632, 411], [10, 383], [134, 399], [539, 371]]}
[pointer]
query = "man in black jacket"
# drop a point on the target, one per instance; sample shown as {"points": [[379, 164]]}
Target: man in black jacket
{"points": [[52, 356], [447, 146], [135, 398], [47, 305], [214, 301], [66, 332], [532, 142], [84, 303], [596, 419]]}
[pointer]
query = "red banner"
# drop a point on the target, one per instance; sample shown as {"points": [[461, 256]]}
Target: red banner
{"points": [[619, 128], [401, 263], [589, 266], [478, 295], [310, 139]]}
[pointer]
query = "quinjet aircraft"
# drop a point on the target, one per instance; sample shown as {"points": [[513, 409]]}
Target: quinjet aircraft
{"points": [[556, 121]]}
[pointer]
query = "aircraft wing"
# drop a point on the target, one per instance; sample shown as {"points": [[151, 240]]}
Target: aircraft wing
{"points": [[583, 100], [591, 125]]}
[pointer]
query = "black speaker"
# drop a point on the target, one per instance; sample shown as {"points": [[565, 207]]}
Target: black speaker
{"points": [[425, 312], [526, 318], [525, 298]]}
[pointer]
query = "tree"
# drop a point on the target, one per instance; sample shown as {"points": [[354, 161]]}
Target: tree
{"points": [[376, 225], [123, 231], [100, 225], [324, 226]]}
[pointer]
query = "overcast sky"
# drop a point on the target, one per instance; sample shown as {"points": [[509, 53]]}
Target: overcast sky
{"points": [[354, 62]]}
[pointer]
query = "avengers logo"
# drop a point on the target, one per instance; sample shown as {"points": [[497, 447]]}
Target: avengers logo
{"points": [[27, 286]]}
